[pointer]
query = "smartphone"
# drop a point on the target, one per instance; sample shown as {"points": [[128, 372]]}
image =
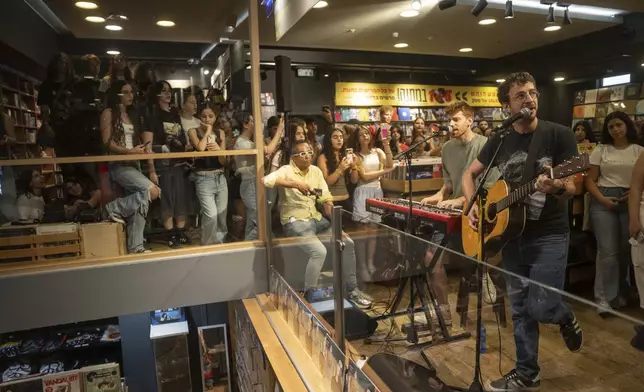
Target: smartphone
{"points": [[350, 155], [384, 131], [212, 139]]}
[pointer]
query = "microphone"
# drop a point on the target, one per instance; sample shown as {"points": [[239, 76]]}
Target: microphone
{"points": [[524, 113]]}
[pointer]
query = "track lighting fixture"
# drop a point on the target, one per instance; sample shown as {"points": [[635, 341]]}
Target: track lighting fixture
{"points": [[551, 15], [479, 7], [509, 10], [567, 21], [445, 4]]}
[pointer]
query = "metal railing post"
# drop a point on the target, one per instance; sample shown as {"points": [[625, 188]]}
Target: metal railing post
{"points": [[337, 246]]}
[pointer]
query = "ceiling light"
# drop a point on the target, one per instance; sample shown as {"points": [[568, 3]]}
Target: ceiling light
{"points": [[95, 19], [326, 75], [248, 67], [500, 80], [485, 22], [206, 71], [409, 13], [552, 28], [551, 15], [86, 5], [321, 4], [642, 64], [123, 17], [567, 21], [479, 7], [445, 4], [559, 79], [217, 72], [509, 10], [401, 45], [575, 9], [416, 4], [114, 27], [247, 53], [113, 52], [465, 50], [165, 23]]}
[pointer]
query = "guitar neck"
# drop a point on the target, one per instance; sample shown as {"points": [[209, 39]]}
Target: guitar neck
{"points": [[517, 195]]}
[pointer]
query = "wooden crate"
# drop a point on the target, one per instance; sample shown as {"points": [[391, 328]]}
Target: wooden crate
{"points": [[40, 242], [103, 239]]}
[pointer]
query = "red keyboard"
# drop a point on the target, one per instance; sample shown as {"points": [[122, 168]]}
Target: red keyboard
{"points": [[399, 208]]}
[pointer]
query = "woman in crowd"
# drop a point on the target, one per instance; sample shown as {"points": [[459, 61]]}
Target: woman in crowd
{"points": [[371, 164], [54, 100], [397, 143], [31, 204], [118, 70], [421, 150], [171, 174], [212, 188], [584, 133], [636, 230], [335, 164], [121, 135], [608, 181], [144, 78], [296, 134], [247, 169]]}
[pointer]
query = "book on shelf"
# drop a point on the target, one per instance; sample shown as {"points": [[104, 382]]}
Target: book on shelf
{"points": [[102, 378], [66, 381]]}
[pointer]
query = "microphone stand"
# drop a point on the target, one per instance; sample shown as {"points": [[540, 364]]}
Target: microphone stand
{"points": [[480, 194]]}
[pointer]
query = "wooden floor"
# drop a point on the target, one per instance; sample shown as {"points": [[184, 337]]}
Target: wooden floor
{"points": [[606, 362]]}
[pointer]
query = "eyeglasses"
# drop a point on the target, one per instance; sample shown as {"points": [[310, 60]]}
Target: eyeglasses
{"points": [[304, 154], [522, 96]]}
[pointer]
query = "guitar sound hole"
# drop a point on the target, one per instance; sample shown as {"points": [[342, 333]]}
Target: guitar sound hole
{"points": [[491, 212]]}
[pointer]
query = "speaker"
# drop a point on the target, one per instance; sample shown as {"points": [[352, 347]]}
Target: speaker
{"points": [[283, 87]]}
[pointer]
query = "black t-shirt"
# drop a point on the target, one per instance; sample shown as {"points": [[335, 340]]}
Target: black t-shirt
{"points": [[168, 134], [58, 97], [87, 184], [545, 213]]}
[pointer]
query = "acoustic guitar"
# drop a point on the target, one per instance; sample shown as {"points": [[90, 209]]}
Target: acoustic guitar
{"points": [[506, 209]]}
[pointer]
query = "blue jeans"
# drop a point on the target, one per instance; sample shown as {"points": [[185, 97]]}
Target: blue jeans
{"points": [[248, 190], [542, 259], [134, 207], [613, 249], [316, 251], [212, 192]]}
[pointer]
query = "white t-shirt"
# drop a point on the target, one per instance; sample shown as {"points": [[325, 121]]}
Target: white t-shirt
{"points": [[615, 165], [30, 207], [128, 130], [188, 124]]}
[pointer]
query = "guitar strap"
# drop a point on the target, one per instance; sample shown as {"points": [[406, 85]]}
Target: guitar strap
{"points": [[536, 145]]}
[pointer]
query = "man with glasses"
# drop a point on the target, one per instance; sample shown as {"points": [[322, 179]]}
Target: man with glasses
{"points": [[303, 187], [540, 254]]}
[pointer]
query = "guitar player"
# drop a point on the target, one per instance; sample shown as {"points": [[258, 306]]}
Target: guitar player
{"points": [[458, 153], [540, 253]]}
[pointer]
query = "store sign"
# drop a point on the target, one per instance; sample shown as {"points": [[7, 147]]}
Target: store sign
{"points": [[369, 94], [288, 13]]}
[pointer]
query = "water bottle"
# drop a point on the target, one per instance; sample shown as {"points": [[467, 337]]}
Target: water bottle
{"points": [[483, 340]]}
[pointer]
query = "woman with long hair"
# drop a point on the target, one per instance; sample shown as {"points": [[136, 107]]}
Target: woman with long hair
{"points": [[296, 134], [171, 174], [397, 142], [121, 135], [371, 164], [335, 165], [584, 133], [119, 70], [144, 78], [608, 182], [247, 169], [31, 204], [210, 181]]}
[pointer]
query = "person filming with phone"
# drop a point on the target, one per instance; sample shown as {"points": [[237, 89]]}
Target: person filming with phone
{"points": [[303, 187]]}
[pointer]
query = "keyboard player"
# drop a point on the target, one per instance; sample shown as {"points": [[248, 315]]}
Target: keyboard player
{"points": [[458, 153]]}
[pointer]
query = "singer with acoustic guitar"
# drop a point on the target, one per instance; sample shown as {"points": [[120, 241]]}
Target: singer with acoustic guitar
{"points": [[541, 252]]}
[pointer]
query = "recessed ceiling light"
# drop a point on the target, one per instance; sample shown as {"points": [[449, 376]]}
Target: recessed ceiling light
{"points": [[321, 4], [114, 27], [416, 4], [552, 28], [165, 23], [326, 75], [247, 53], [95, 19], [401, 45], [559, 79], [500, 80], [642, 64], [465, 50], [486, 22], [409, 13], [248, 67], [87, 5], [113, 52], [206, 71], [122, 17], [217, 72]]}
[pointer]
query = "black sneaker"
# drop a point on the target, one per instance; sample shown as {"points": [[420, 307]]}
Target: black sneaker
{"points": [[184, 239], [174, 242], [513, 382], [572, 335]]}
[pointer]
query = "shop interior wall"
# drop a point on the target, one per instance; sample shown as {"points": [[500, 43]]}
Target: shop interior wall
{"points": [[90, 293]]}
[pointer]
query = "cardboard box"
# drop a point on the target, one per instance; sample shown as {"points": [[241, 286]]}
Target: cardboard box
{"points": [[103, 239]]}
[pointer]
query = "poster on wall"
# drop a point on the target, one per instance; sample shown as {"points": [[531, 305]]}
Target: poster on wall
{"points": [[413, 95]]}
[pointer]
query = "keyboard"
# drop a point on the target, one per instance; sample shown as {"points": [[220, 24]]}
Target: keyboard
{"points": [[399, 208]]}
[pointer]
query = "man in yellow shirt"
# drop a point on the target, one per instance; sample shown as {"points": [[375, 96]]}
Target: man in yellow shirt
{"points": [[304, 186]]}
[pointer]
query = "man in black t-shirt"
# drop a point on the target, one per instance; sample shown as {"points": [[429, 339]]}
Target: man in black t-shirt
{"points": [[540, 254]]}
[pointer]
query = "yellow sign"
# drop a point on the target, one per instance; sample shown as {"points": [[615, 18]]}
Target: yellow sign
{"points": [[587, 148], [412, 95]]}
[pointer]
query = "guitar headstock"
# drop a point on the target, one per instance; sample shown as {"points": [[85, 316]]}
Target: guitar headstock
{"points": [[575, 165]]}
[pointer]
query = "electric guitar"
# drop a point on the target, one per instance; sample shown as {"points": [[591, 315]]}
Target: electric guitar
{"points": [[506, 209]]}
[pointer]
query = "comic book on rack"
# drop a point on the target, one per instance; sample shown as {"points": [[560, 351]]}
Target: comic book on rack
{"points": [[102, 378], [29, 384], [62, 382]]}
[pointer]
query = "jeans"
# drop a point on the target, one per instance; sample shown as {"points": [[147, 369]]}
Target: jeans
{"points": [[316, 251], [212, 192], [613, 249], [542, 259], [135, 183], [248, 192]]}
